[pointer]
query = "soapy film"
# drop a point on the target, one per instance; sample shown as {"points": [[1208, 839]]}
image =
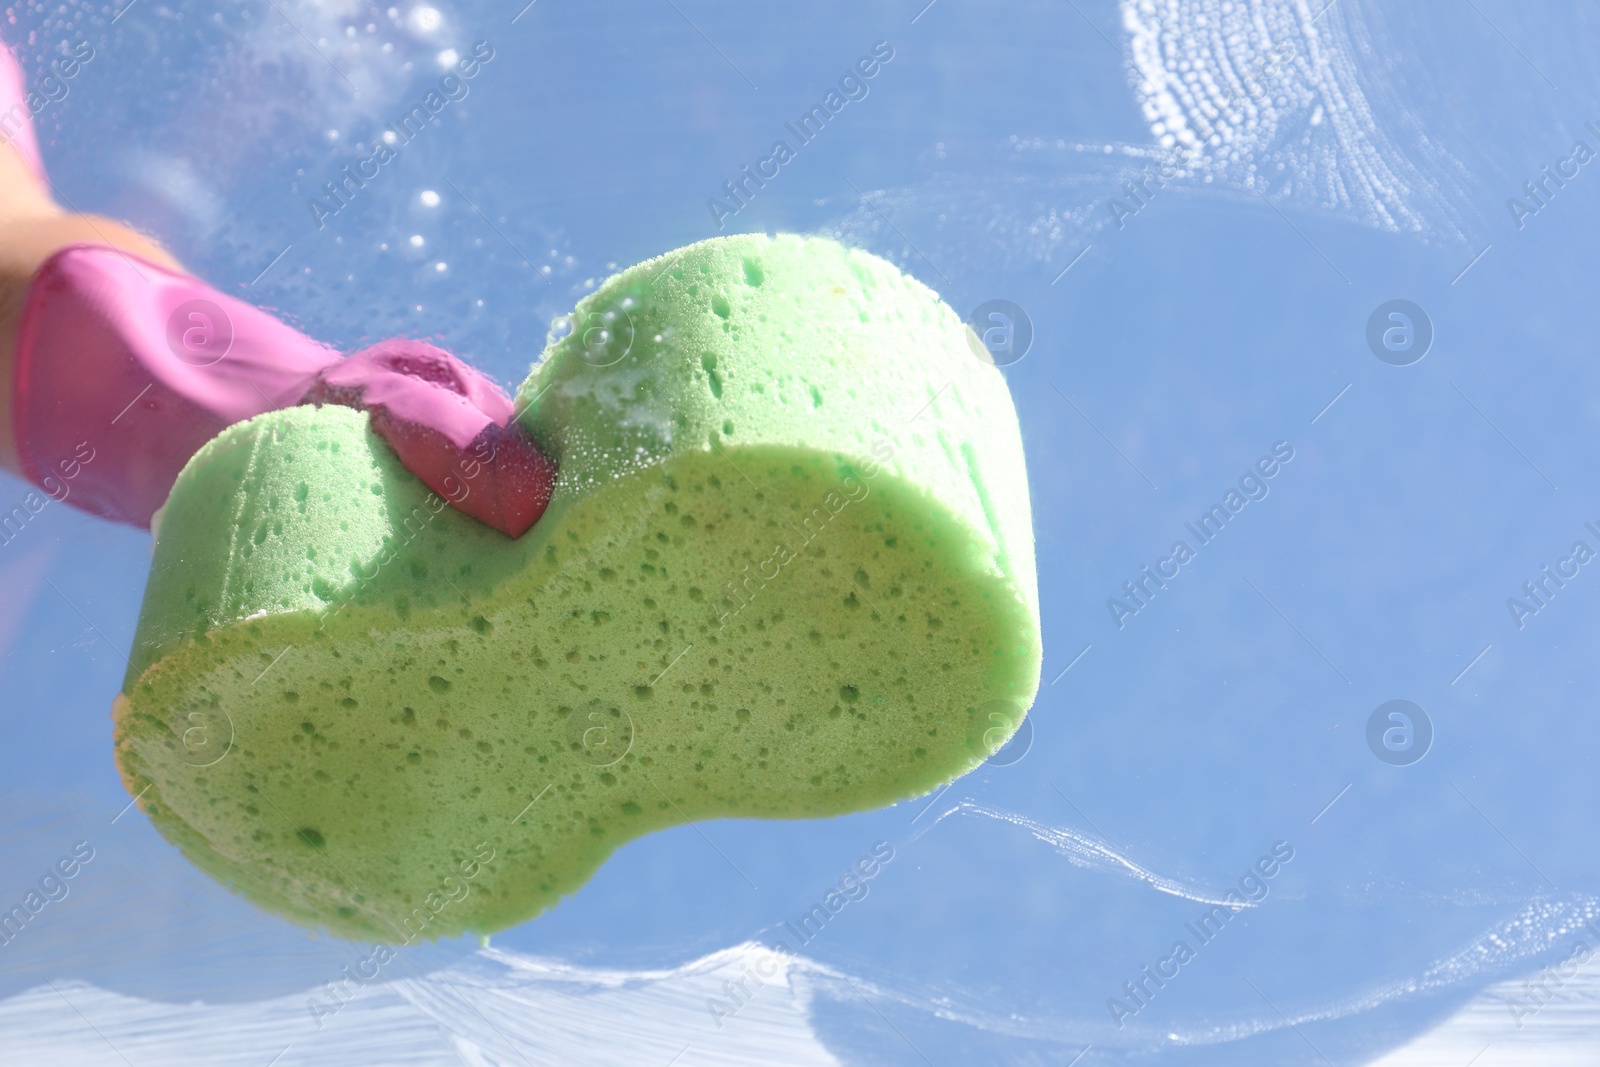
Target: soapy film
{"points": [[1297, 101], [494, 1005]]}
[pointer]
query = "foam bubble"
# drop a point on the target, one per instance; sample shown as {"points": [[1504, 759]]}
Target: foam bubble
{"points": [[423, 20]]}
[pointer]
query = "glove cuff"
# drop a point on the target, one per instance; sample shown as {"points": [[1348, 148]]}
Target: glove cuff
{"points": [[124, 369]]}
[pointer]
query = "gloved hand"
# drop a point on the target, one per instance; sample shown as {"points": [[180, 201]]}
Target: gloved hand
{"points": [[145, 364], [450, 426]]}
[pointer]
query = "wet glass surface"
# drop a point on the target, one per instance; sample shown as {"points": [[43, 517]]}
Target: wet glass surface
{"points": [[1307, 296]]}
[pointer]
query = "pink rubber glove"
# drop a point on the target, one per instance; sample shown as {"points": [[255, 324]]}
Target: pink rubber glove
{"points": [[143, 365], [450, 426]]}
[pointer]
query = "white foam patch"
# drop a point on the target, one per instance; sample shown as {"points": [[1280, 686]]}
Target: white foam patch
{"points": [[147, 956], [1565, 1032], [490, 1009], [496, 1007], [1270, 96], [1291, 100]]}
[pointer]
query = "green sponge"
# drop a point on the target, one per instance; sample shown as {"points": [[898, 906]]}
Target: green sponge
{"points": [[787, 572]]}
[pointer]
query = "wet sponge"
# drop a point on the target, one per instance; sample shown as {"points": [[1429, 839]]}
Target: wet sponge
{"points": [[787, 572]]}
